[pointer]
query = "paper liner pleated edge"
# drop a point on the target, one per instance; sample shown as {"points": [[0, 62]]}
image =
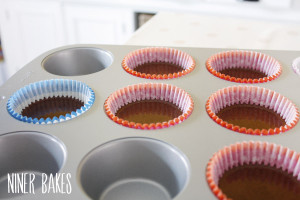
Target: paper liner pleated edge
{"points": [[252, 152], [34, 91], [259, 100], [296, 65], [174, 52], [241, 80], [133, 93]]}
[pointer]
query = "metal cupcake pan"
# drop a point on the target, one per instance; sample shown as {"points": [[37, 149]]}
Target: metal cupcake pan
{"points": [[77, 61], [149, 168], [83, 145], [29, 152]]}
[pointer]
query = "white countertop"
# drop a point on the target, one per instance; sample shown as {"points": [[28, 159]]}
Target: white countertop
{"points": [[193, 30], [280, 10]]}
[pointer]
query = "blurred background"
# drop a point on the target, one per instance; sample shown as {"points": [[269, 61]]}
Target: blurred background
{"points": [[31, 27]]}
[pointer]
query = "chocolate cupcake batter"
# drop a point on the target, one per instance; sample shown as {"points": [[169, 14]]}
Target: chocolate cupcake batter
{"points": [[243, 73], [52, 107], [251, 116], [259, 182], [158, 68], [149, 111]]}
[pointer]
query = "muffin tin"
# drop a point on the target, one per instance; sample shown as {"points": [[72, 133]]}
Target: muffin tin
{"points": [[144, 159]]}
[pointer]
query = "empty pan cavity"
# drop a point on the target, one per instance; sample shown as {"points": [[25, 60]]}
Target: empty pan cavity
{"points": [[134, 169], [29, 152], [77, 61]]}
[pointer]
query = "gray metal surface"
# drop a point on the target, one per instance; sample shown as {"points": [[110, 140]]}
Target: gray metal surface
{"points": [[198, 137], [78, 61], [29, 152], [130, 159], [135, 189]]}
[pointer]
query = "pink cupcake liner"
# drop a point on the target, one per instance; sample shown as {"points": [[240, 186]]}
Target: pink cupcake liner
{"points": [[296, 65], [264, 153], [244, 59], [253, 96], [149, 91], [158, 54]]}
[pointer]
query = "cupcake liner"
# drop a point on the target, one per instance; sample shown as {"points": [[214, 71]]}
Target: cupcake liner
{"points": [[246, 60], [50, 88], [158, 54], [264, 153], [296, 65], [149, 91], [253, 96]]}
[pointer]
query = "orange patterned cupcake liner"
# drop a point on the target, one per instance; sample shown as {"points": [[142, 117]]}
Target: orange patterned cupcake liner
{"points": [[158, 54], [247, 60], [253, 96], [251, 152], [149, 91]]}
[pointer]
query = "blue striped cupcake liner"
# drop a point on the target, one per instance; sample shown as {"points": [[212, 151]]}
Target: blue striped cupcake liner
{"points": [[50, 88]]}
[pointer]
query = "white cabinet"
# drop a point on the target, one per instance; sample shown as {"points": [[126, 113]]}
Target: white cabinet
{"points": [[29, 28], [98, 24]]}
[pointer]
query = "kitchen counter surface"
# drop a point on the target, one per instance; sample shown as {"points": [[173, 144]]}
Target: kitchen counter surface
{"points": [[193, 30], [280, 10]]}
